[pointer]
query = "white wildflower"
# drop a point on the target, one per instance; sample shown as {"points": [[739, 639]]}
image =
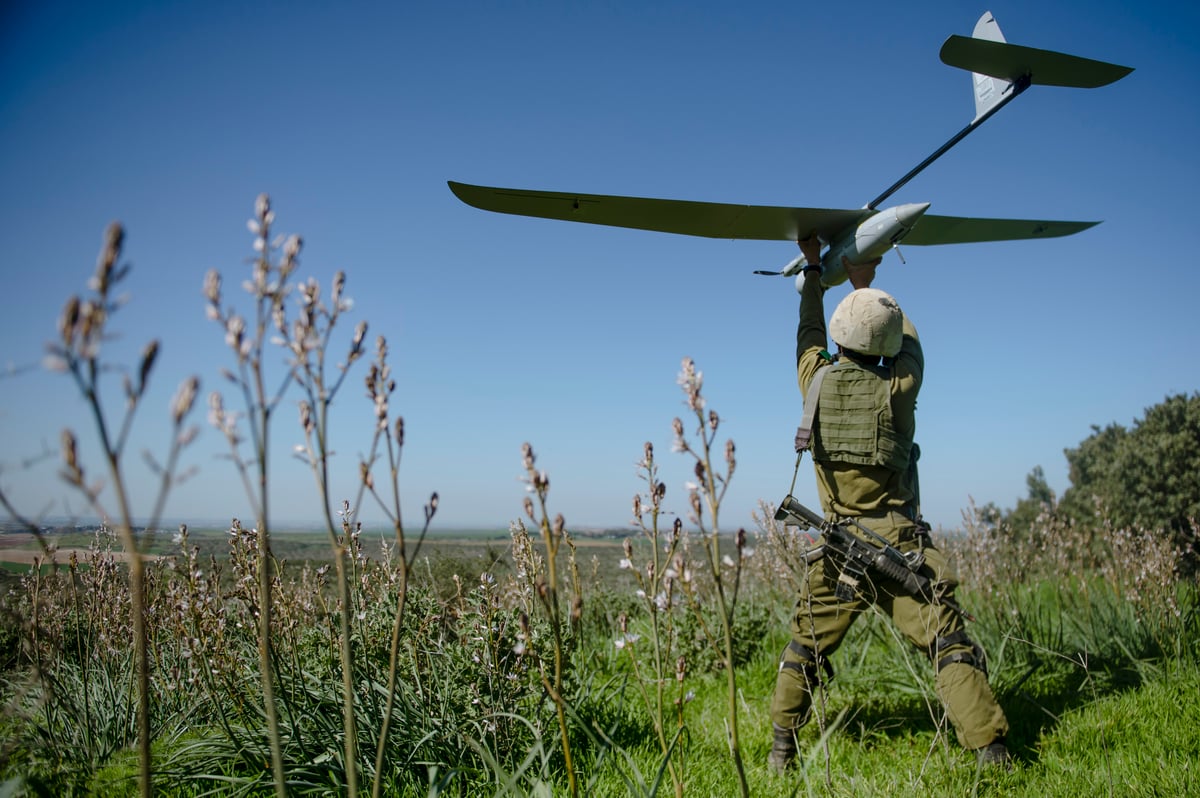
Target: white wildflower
{"points": [[626, 639]]}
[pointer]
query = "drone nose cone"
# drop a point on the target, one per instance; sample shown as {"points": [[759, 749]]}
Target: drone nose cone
{"points": [[908, 215]]}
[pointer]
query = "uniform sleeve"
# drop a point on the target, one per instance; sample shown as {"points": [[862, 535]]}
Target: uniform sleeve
{"points": [[908, 371], [811, 337]]}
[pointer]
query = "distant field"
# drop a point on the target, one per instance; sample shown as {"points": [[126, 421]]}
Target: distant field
{"points": [[466, 552]]}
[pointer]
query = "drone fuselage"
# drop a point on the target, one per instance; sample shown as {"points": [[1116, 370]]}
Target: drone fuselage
{"points": [[871, 238]]}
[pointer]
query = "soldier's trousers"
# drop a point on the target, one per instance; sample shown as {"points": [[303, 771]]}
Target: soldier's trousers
{"points": [[821, 620]]}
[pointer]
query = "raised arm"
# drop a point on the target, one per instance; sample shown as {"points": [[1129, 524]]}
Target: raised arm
{"points": [[811, 337]]}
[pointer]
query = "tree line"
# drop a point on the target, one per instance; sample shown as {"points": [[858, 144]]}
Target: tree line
{"points": [[1146, 476]]}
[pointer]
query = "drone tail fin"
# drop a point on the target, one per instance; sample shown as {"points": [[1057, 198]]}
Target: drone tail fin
{"points": [[989, 90], [1001, 70]]}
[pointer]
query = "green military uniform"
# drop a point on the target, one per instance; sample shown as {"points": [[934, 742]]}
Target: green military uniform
{"points": [[865, 463]]}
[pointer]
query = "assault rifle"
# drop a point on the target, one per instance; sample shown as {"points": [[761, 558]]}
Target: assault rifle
{"points": [[859, 559]]}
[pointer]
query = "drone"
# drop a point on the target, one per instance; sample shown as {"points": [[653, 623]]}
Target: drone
{"points": [[1001, 72]]}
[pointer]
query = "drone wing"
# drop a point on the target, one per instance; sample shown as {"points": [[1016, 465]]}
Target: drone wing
{"points": [[708, 219], [933, 229]]}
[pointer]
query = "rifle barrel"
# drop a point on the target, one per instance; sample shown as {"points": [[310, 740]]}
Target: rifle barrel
{"points": [[790, 507]]}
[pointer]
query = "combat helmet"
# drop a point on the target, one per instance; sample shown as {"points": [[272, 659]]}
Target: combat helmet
{"points": [[868, 321]]}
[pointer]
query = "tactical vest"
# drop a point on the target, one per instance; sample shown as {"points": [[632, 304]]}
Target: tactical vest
{"points": [[855, 423]]}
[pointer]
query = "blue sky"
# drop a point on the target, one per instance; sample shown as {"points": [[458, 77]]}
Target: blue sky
{"points": [[172, 117]]}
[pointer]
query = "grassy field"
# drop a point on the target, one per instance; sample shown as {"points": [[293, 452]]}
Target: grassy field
{"points": [[1102, 693]]}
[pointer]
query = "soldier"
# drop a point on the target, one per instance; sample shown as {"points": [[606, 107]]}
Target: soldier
{"points": [[865, 461]]}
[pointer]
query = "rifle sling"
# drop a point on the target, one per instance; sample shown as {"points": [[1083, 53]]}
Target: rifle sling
{"points": [[804, 432]]}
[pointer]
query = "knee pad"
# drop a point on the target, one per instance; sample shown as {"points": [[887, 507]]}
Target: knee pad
{"points": [[969, 652], [805, 661]]}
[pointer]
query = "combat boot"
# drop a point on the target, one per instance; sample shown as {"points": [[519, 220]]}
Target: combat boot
{"points": [[783, 749], [994, 754]]}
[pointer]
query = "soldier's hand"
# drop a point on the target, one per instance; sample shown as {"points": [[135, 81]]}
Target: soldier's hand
{"points": [[810, 247], [861, 275]]}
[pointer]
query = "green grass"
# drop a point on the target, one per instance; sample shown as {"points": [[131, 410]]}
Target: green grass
{"points": [[1139, 742], [1102, 695]]}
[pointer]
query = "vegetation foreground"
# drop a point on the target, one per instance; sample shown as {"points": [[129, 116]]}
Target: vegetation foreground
{"points": [[550, 664], [1099, 677]]}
